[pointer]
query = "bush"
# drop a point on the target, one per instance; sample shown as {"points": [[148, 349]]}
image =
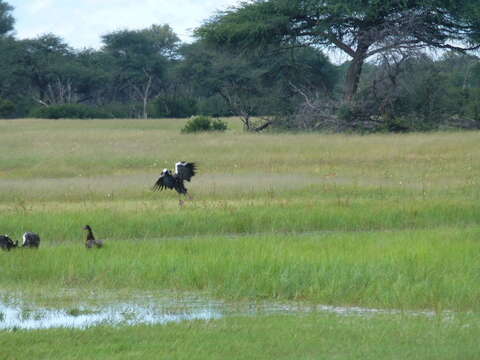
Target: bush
{"points": [[121, 111], [174, 107], [219, 125], [69, 111], [7, 108], [204, 123]]}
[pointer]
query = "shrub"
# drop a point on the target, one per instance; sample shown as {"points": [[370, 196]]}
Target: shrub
{"points": [[7, 108], [121, 111], [204, 123], [69, 111], [174, 107], [219, 125]]}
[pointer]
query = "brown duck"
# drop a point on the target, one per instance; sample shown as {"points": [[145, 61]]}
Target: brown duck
{"points": [[90, 241]]}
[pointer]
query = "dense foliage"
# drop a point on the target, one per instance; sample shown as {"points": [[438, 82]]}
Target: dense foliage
{"points": [[360, 29], [6, 18], [264, 62], [69, 111], [204, 123]]}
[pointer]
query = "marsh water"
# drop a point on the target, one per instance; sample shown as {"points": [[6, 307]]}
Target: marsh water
{"points": [[16, 313]]}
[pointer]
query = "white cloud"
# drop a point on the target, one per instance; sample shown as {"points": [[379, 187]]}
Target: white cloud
{"points": [[82, 23], [38, 5]]}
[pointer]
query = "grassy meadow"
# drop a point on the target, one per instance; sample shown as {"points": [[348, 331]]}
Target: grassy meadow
{"points": [[319, 336], [379, 221]]}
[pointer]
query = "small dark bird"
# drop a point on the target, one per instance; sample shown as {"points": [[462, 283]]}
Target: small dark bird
{"points": [[6, 243], [184, 171], [31, 240], [90, 241]]}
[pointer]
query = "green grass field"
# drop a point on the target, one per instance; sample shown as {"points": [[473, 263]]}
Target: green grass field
{"points": [[276, 337], [381, 221]]}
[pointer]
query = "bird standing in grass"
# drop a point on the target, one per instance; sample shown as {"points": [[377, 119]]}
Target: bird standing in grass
{"points": [[31, 240], [90, 241], [184, 171], [6, 243]]}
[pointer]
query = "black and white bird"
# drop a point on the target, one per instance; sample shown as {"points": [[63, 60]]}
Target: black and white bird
{"points": [[6, 243], [31, 240], [184, 171]]}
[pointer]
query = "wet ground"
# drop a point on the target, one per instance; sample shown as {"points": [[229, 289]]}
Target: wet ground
{"points": [[17, 313]]}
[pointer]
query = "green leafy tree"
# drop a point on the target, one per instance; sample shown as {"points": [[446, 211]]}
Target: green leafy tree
{"points": [[421, 93], [10, 82], [359, 28], [259, 84], [6, 19], [141, 58], [50, 65], [14, 82], [94, 77]]}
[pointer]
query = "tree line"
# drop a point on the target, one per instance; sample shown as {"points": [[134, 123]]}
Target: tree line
{"points": [[412, 66]]}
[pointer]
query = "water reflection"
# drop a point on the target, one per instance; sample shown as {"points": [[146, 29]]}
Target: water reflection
{"points": [[17, 314], [14, 316]]}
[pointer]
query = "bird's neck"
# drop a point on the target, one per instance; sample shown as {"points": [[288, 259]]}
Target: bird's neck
{"points": [[90, 235]]}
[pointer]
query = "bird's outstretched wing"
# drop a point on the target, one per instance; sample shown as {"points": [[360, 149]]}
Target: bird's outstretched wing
{"points": [[165, 181], [185, 170], [159, 185]]}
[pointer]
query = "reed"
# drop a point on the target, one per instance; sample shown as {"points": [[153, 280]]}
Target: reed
{"points": [[424, 269]]}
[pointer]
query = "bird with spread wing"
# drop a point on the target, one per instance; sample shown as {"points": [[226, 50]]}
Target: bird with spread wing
{"points": [[184, 171]]}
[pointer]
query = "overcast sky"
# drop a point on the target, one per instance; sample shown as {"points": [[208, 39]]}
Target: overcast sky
{"points": [[81, 22]]}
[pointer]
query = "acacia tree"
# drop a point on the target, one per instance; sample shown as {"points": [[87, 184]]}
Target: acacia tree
{"points": [[258, 84], [236, 80], [359, 28], [141, 57], [48, 63]]}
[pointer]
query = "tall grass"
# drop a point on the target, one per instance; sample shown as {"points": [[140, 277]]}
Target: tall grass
{"points": [[122, 220], [51, 149], [427, 269], [378, 220]]}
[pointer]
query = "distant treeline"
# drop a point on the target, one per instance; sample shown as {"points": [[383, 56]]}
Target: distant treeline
{"points": [[150, 73]]}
